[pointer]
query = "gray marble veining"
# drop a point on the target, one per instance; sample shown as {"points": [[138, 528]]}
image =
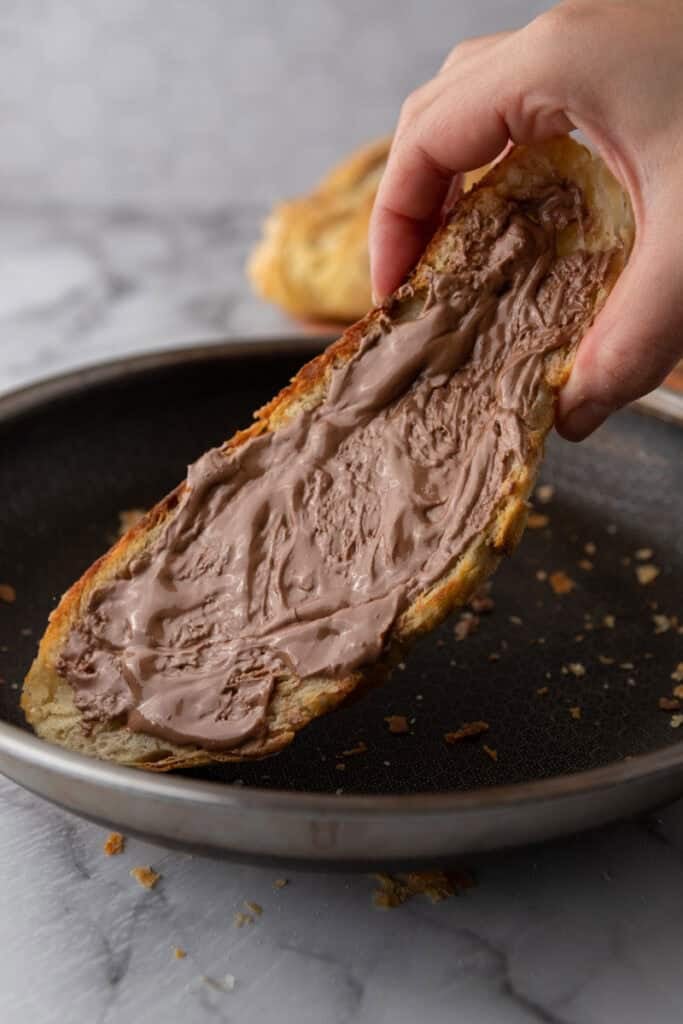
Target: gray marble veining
{"points": [[143, 141]]}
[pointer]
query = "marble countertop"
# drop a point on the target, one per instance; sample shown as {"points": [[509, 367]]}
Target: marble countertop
{"points": [[128, 202]]}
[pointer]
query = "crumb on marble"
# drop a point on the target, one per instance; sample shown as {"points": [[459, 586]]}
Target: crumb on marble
{"points": [[145, 876], [437, 885], [114, 843], [239, 919], [254, 908], [280, 883], [179, 953]]}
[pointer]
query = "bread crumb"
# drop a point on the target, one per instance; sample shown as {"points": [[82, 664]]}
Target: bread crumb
{"points": [[646, 574], [515, 620], [465, 731], [611, 529], [668, 704], [490, 752], [561, 583], [579, 638], [481, 601], [604, 660], [678, 691], [226, 985], [7, 593], [467, 624], [662, 623], [128, 517], [397, 724], [575, 712], [542, 690], [590, 548], [494, 656], [360, 748], [586, 565], [608, 621], [628, 665], [644, 554], [280, 883], [576, 669], [255, 908], [677, 674], [541, 575], [676, 721], [114, 844], [437, 885], [239, 919], [536, 520], [545, 493], [340, 766], [145, 876], [179, 953]]}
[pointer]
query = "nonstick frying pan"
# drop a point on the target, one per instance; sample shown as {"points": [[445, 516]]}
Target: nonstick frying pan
{"points": [[76, 451]]}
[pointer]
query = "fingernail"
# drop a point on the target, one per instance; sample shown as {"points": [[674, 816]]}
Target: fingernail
{"points": [[583, 420]]}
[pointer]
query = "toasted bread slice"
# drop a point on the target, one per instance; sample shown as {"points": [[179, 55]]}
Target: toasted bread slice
{"points": [[313, 257], [606, 226]]}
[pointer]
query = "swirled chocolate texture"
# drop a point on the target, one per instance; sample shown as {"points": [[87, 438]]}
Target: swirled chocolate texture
{"points": [[295, 552]]}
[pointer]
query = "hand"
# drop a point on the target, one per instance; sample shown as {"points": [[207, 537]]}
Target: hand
{"points": [[614, 70]]}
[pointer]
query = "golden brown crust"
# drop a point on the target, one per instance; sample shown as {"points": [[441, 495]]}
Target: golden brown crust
{"points": [[47, 699], [313, 257]]}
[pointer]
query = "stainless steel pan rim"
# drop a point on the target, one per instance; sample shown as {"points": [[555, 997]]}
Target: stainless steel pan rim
{"points": [[29, 750], [349, 829]]}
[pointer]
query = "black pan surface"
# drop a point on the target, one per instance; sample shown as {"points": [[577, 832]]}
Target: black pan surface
{"points": [[70, 462]]}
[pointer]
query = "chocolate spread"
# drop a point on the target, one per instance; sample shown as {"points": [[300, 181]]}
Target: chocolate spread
{"points": [[296, 551]]}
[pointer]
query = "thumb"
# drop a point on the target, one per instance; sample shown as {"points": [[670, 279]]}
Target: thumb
{"points": [[635, 341]]}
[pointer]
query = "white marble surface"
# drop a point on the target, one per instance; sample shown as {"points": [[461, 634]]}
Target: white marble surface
{"points": [[142, 143]]}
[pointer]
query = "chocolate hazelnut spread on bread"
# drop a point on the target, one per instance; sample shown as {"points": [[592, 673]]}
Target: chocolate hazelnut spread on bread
{"points": [[297, 551]]}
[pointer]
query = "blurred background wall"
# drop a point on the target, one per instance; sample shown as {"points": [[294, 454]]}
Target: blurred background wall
{"points": [[143, 142]]}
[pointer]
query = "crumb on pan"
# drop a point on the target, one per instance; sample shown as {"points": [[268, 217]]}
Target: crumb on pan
{"points": [[515, 620], [575, 712], [677, 674], [678, 691], [608, 621], [397, 724], [644, 554], [360, 748], [668, 703], [7, 593], [560, 582], [646, 574], [114, 844], [676, 721], [590, 548], [490, 752], [145, 876], [604, 659], [537, 520], [541, 575], [467, 624], [437, 885], [545, 493], [585, 564], [663, 623], [481, 601], [576, 669], [128, 517], [542, 691], [467, 730]]}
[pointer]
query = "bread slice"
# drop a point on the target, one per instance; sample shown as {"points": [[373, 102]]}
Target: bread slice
{"points": [[525, 174], [313, 257]]}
